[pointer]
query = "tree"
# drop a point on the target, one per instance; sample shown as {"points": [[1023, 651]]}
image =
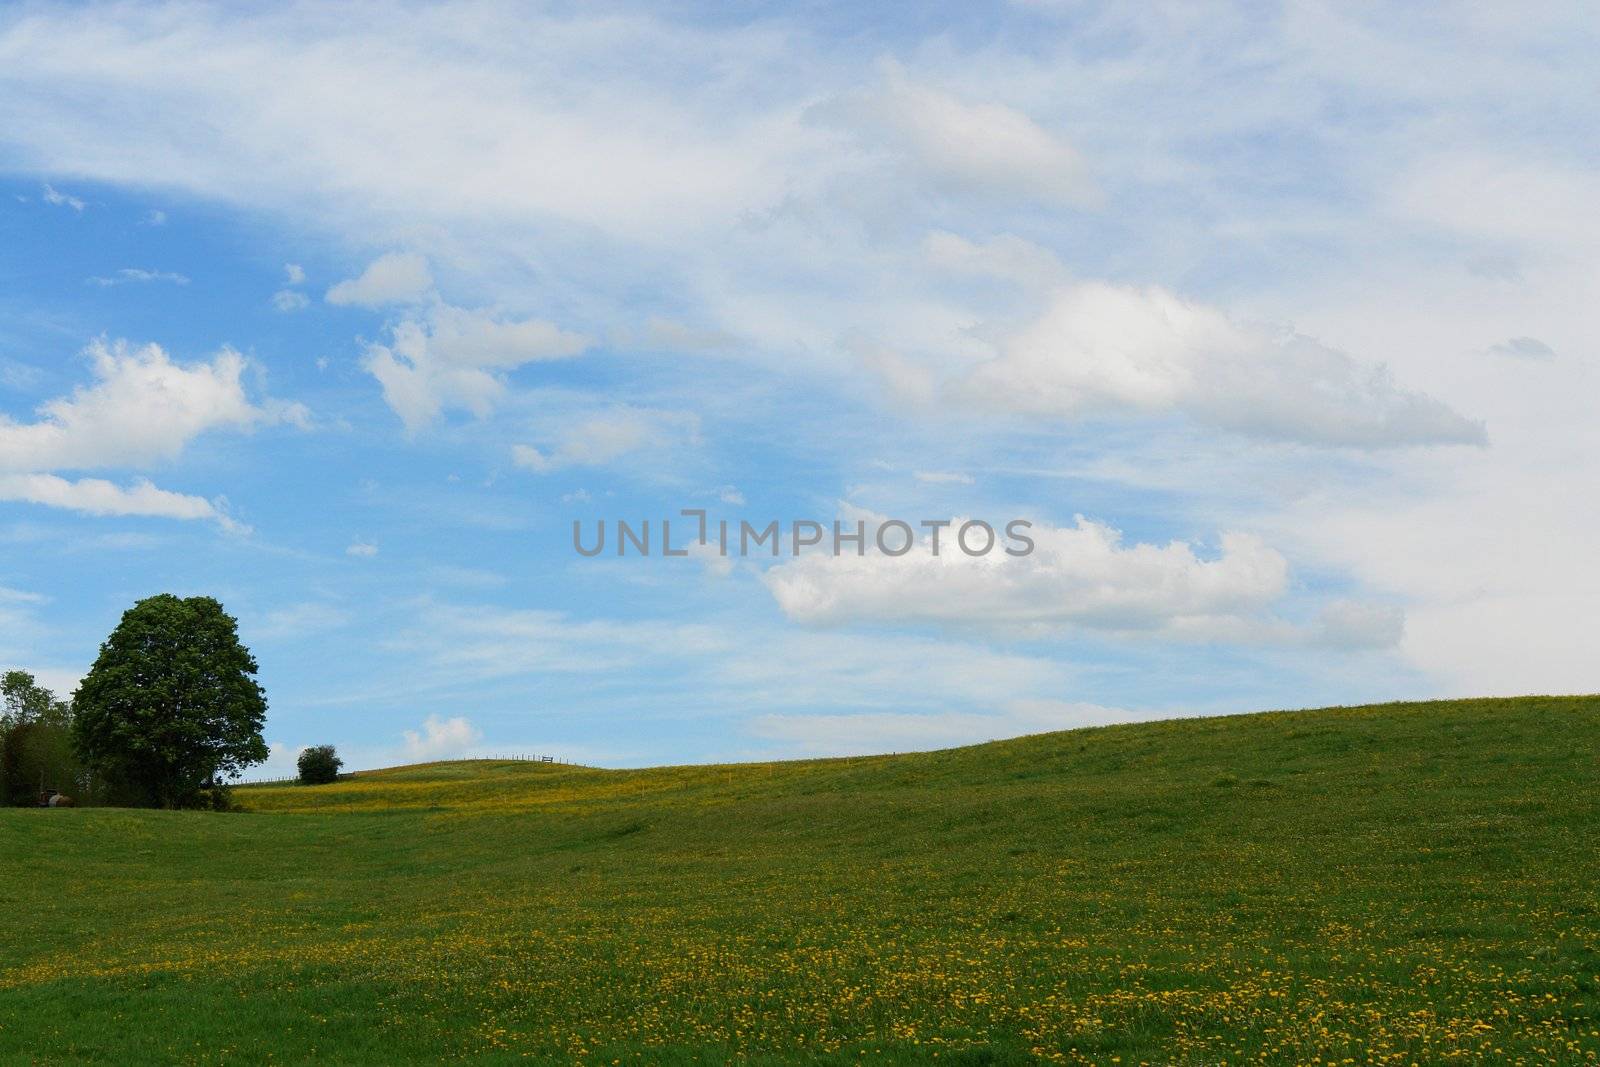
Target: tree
{"points": [[171, 708], [319, 765], [35, 741]]}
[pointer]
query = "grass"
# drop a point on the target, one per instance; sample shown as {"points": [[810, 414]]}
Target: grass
{"points": [[1404, 884]]}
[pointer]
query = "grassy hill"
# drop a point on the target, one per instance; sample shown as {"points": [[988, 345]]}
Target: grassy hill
{"points": [[1405, 884]]}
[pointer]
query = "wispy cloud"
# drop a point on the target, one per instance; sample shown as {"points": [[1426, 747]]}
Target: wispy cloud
{"points": [[136, 274], [57, 198]]}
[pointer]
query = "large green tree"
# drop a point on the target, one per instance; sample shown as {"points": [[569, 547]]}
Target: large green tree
{"points": [[170, 704]]}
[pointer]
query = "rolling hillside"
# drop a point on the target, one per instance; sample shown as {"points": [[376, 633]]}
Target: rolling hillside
{"points": [[1397, 884]]}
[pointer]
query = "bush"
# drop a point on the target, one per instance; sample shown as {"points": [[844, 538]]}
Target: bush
{"points": [[319, 765]]}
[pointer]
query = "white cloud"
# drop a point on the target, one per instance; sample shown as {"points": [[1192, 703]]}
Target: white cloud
{"points": [[20, 596], [731, 496], [453, 358], [441, 739], [1492, 552], [96, 496], [136, 274], [1007, 257], [1523, 348], [142, 408], [14, 375], [154, 218], [711, 558], [1105, 350], [553, 155], [602, 439], [62, 681], [943, 477], [964, 146], [726, 669], [294, 274], [904, 380], [661, 332], [20, 627], [1538, 205], [361, 549], [281, 762], [385, 114], [300, 620], [287, 300], [1354, 624], [1080, 575], [394, 278], [58, 198], [460, 337]]}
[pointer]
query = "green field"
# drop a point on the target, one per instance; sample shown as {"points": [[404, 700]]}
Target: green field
{"points": [[1404, 884]]}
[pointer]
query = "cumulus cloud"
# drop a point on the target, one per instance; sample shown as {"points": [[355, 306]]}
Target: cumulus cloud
{"points": [[143, 407], [1081, 575], [602, 439], [287, 300], [441, 738], [1103, 349], [96, 496], [281, 762], [454, 358], [294, 274], [395, 278]]}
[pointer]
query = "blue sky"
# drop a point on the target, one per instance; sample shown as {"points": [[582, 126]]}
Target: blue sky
{"points": [[1275, 321]]}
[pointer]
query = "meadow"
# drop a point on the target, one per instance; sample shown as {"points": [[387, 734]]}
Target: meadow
{"points": [[1400, 884]]}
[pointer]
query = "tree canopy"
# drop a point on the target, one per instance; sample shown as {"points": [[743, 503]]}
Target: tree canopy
{"points": [[319, 765], [35, 740], [171, 703]]}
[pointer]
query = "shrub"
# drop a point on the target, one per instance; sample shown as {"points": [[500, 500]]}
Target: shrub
{"points": [[319, 765]]}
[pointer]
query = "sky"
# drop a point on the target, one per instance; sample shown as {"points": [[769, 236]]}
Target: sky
{"points": [[1275, 321]]}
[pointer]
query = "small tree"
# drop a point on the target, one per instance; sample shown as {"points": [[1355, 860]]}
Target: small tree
{"points": [[319, 765], [35, 741], [171, 708]]}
